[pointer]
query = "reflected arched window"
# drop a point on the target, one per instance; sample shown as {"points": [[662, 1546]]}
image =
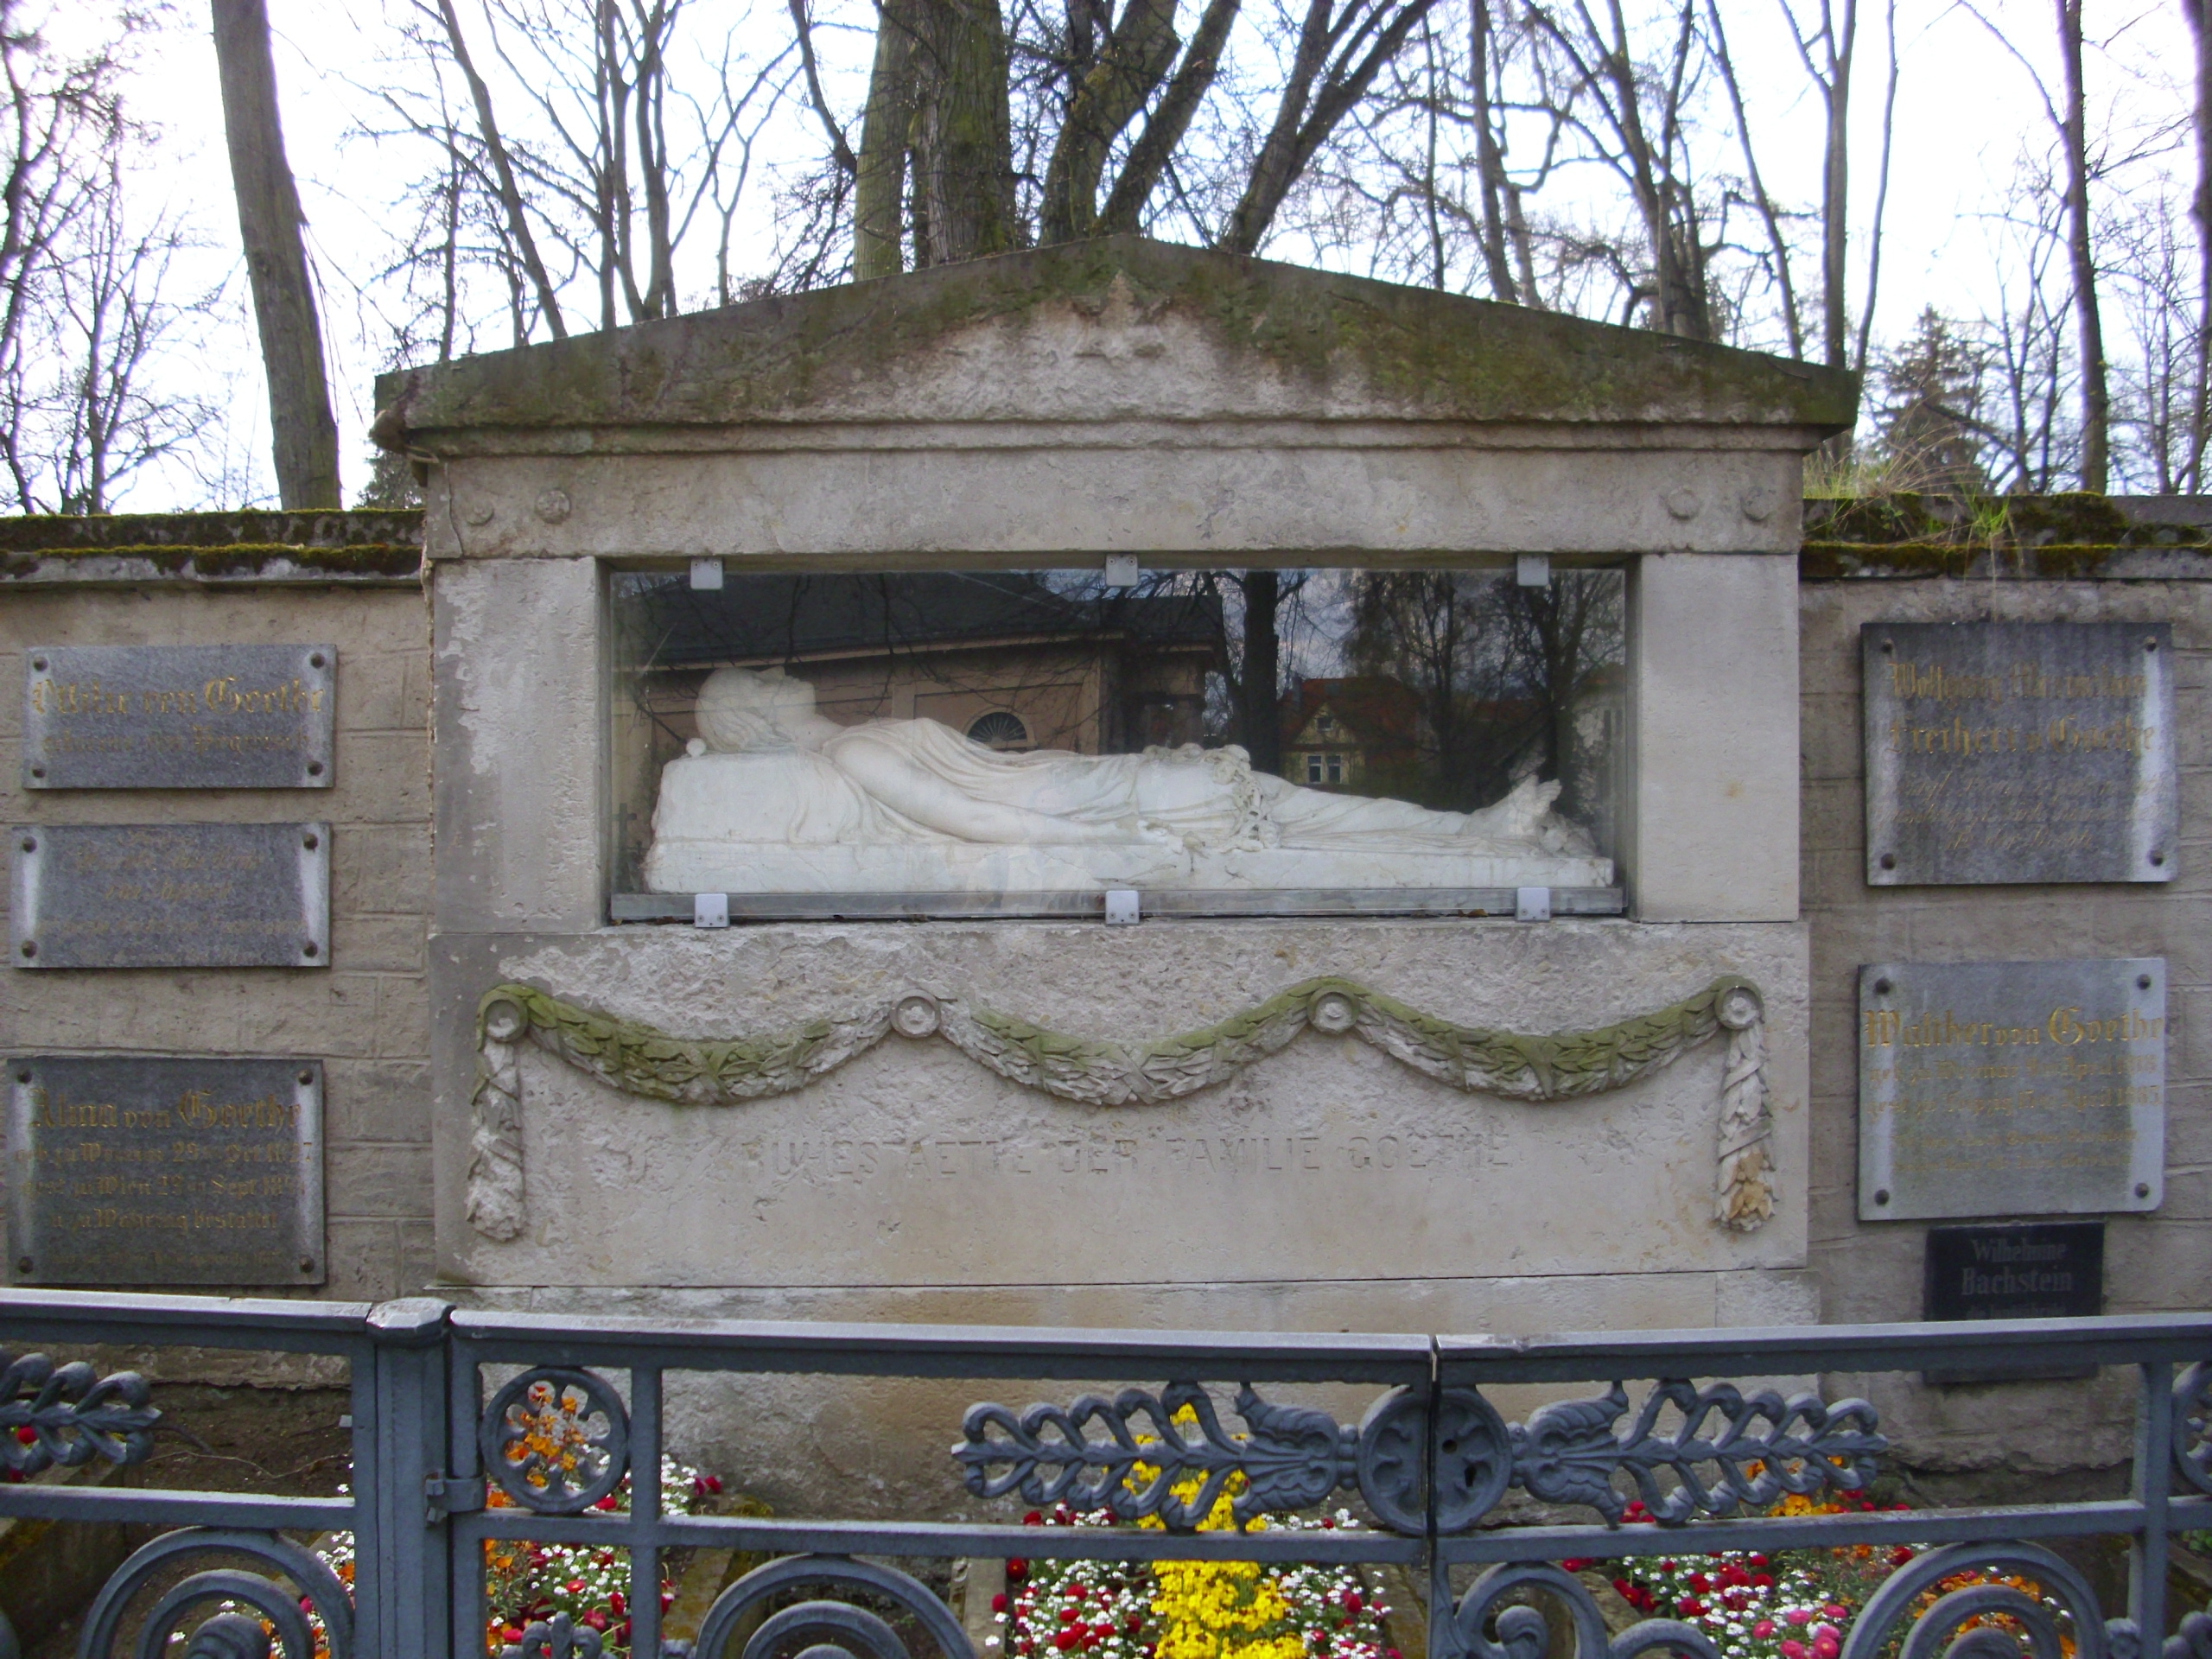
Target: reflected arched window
{"points": [[999, 730]]}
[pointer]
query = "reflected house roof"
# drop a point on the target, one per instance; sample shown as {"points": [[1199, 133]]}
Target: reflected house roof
{"points": [[788, 617], [1379, 714]]}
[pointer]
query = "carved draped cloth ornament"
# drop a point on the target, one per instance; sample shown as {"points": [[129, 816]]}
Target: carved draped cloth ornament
{"points": [[641, 1059]]}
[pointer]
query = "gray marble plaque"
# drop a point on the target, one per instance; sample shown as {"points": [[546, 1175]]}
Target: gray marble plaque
{"points": [[2011, 1088], [131, 1171], [2018, 752], [171, 895], [179, 716]]}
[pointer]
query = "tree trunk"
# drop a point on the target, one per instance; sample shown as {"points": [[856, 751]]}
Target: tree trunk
{"points": [[1835, 196], [2199, 13], [964, 141], [1138, 56], [1263, 722], [305, 435], [2096, 399], [879, 185], [1490, 163]]}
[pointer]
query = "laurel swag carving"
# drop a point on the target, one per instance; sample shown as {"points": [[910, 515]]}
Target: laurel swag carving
{"points": [[641, 1059]]}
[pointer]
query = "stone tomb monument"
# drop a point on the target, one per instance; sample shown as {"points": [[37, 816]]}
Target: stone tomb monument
{"points": [[825, 609]]}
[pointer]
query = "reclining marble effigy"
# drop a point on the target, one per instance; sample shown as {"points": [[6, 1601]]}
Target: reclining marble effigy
{"points": [[773, 797]]}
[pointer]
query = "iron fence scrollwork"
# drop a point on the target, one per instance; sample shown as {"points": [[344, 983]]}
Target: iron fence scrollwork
{"points": [[1432, 1459]]}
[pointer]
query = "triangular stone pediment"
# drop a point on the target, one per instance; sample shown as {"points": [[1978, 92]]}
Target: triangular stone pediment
{"points": [[1120, 330]]}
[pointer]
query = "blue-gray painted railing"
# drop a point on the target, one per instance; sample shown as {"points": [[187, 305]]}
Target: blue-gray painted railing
{"points": [[443, 1398]]}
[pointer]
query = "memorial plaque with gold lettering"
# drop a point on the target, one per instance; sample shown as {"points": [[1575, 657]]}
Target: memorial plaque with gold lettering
{"points": [[2011, 1088], [2018, 752], [171, 895], [130, 1170], [178, 716]]}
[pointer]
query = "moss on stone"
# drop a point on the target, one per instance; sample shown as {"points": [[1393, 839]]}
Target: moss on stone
{"points": [[135, 532], [1439, 356], [237, 561], [1832, 561]]}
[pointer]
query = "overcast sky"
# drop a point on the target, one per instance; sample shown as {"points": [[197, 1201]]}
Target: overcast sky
{"points": [[1966, 111]]}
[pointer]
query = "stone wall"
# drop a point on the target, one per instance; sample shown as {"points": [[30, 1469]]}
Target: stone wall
{"points": [[346, 579], [1872, 1271]]}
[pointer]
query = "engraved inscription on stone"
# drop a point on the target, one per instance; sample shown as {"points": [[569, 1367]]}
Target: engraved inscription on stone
{"points": [[2011, 1088], [178, 716], [2018, 752], [131, 1171], [171, 895]]}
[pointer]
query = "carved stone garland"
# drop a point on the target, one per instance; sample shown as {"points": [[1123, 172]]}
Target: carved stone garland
{"points": [[640, 1059]]}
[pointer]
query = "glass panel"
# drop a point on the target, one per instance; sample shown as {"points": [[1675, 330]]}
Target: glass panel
{"points": [[996, 732]]}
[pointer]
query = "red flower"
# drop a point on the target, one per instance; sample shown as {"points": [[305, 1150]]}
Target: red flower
{"points": [[1034, 1518], [1900, 1555], [1352, 1601], [27, 1435], [596, 1619], [1763, 1580], [1016, 1567], [1132, 1624], [998, 1602], [1064, 1639], [1578, 1564], [1734, 1575], [614, 1600], [1701, 1583], [1689, 1607], [1069, 1615], [610, 1502]]}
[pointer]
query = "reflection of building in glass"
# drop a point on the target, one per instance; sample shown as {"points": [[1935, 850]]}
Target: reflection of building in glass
{"points": [[1013, 661], [1357, 732]]}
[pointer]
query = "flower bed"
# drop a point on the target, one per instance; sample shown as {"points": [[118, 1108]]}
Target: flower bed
{"points": [[1796, 1604], [1187, 1610]]}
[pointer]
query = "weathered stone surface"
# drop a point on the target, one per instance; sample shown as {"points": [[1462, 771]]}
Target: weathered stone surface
{"points": [[2011, 1088], [230, 716], [171, 895], [1131, 326], [2011, 752], [911, 1165], [136, 1171]]}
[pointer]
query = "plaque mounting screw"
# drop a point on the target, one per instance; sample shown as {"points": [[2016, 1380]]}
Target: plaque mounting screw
{"points": [[2143, 982], [1889, 860], [307, 1076], [2158, 858], [38, 771], [39, 663], [315, 661], [1881, 1195], [310, 841], [315, 768], [23, 1076], [307, 1264], [22, 1264], [1881, 988], [30, 947], [309, 949], [2142, 1189], [30, 843], [2150, 644], [1888, 646]]}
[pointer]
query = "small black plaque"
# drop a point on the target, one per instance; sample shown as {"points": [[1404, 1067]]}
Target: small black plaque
{"points": [[2045, 1271], [179, 716], [128, 1170], [171, 895]]}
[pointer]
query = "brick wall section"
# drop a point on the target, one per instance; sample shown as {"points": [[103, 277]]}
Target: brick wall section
{"points": [[1872, 1271], [367, 1015]]}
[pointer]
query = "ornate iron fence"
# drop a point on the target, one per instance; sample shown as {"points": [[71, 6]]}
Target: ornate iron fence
{"points": [[450, 1403]]}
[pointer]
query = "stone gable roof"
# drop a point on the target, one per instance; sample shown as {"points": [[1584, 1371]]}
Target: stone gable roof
{"points": [[1120, 330]]}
